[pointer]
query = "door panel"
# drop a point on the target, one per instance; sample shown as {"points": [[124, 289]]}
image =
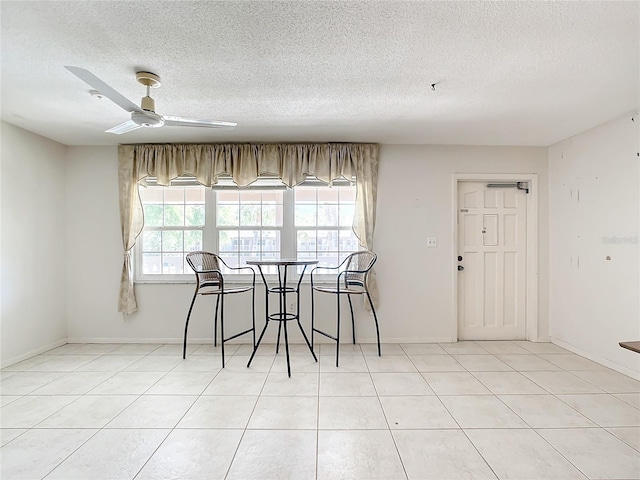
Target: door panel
{"points": [[492, 243], [490, 230], [510, 289], [490, 290]]}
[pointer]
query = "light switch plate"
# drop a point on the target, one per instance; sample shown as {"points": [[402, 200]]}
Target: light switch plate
{"points": [[432, 242]]}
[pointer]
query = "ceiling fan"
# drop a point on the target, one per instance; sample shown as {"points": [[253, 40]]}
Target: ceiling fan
{"points": [[145, 115]]}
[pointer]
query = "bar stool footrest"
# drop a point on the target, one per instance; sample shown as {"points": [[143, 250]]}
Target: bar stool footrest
{"points": [[325, 334], [237, 335], [282, 317]]}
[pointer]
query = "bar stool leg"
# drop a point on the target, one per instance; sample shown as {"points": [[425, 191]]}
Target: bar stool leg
{"points": [[221, 325], [253, 314], [278, 341], [313, 317], [353, 322], [186, 327], [338, 333], [215, 323], [258, 344], [375, 318], [307, 340], [286, 347]]}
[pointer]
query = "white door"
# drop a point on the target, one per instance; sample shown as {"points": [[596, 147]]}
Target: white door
{"points": [[492, 249]]}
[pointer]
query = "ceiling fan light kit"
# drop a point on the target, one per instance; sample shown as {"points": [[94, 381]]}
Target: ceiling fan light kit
{"points": [[145, 115]]}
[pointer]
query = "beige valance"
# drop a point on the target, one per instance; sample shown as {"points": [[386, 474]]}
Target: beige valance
{"points": [[292, 163]]}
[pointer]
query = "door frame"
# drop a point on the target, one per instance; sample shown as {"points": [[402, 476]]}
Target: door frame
{"points": [[531, 299]]}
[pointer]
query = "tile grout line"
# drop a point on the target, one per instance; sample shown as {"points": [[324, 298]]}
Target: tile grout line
{"points": [[622, 440], [393, 438], [560, 453], [318, 414], [171, 430], [597, 426], [138, 397], [74, 451], [99, 429], [506, 428], [244, 430], [465, 433]]}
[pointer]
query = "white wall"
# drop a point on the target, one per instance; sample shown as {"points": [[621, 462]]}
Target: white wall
{"points": [[415, 200], [594, 215], [94, 243], [33, 252]]}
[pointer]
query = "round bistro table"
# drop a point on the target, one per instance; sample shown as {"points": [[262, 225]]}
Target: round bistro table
{"points": [[281, 289]]}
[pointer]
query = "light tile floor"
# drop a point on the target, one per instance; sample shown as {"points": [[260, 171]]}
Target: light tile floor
{"points": [[508, 410]]}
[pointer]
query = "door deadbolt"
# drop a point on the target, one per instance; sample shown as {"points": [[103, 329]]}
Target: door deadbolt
{"points": [[459, 258]]}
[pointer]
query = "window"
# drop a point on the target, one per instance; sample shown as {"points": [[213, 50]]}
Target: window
{"points": [[174, 221], [249, 224], [265, 220], [322, 223]]}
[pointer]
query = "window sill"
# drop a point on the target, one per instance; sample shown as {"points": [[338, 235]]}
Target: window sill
{"points": [[242, 280], [164, 282]]}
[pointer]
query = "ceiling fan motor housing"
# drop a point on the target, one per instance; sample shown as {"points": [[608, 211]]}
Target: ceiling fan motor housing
{"points": [[148, 104], [147, 119]]}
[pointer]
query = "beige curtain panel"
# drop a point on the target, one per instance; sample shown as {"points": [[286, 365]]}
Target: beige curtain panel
{"points": [[292, 163]]}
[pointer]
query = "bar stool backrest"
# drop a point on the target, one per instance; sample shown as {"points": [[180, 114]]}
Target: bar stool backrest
{"points": [[358, 266], [202, 264]]}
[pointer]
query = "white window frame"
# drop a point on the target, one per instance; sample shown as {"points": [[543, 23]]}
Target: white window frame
{"points": [[188, 277], [317, 228], [266, 184], [288, 229]]}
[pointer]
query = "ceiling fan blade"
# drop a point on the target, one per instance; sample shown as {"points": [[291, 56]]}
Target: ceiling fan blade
{"points": [[93, 81], [123, 127], [192, 122]]}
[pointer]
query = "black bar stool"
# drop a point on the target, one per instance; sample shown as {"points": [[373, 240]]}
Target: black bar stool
{"points": [[210, 281], [351, 280]]}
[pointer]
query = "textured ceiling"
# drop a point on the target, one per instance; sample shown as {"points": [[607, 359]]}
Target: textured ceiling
{"points": [[507, 73]]}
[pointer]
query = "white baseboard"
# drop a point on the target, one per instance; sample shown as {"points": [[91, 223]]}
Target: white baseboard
{"points": [[540, 340], [267, 339], [411, 340], [602, 361], [132, 340], [13, 360]]}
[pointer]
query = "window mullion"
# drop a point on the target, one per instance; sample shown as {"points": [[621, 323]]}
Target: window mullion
{"points": [[210, 235], [288, 235]]}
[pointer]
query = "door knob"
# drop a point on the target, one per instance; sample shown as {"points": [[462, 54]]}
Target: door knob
{"points": [[460, 268]]}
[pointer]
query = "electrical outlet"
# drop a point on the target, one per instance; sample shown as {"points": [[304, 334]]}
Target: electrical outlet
{"points": [[292, 306], [432, 242]]}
